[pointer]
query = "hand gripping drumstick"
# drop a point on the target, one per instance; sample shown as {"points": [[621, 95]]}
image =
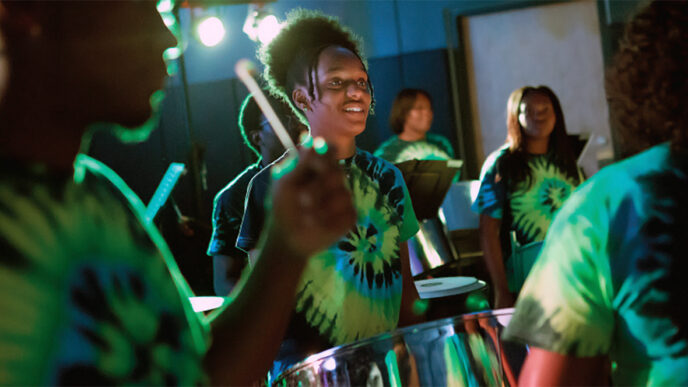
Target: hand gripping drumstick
{"points": [[243, 69]]}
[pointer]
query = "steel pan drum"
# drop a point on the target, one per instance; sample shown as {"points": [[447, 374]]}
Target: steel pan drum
{"points": [[460, 351]]}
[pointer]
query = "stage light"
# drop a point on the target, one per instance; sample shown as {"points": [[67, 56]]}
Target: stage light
{"points": [[211, 31], [268, 28], [260, 25]]}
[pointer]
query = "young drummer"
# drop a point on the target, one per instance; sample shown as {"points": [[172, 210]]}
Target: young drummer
{"points": [[361, 285]]}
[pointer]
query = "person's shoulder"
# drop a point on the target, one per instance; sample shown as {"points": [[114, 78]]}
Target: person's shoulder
{"points": [[647, 161], [389, 140], [434, 137], [386, 145], [238, 185], [621, 181], [497, 154], [630, 169], [366, 157]]}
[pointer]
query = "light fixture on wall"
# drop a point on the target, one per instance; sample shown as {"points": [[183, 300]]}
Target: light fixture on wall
{"points": [[261, 25]]}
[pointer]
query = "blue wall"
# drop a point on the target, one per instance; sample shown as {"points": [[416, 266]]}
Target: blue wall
{"points": [[421, 28]]}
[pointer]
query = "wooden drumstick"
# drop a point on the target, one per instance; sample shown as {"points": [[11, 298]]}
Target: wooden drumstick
{"points": [[243, 69]]}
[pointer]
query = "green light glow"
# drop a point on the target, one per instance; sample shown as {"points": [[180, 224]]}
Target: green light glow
{"points": [[306, 140], [420, 307], [129, 135], [320, 146], [393, 367], [211, 31], [268, 28], [285, 166], [477, 301], [165, 6], [169, 56]]}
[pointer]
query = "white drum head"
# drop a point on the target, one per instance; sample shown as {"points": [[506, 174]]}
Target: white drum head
{"points": [[205, 303], [447, 286]]}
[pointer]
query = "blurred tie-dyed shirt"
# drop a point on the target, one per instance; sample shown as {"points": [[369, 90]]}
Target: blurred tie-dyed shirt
{"points": [[434, 147], [89, 293], [604, 282]]}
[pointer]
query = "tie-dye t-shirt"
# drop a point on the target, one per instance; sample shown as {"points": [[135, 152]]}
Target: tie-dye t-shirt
{"points": [[525, 209], [353, 289], [604, 284], [86, 296], [434, 147]]}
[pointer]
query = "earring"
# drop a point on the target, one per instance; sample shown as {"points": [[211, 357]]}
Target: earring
{"points": [[304, 107]]}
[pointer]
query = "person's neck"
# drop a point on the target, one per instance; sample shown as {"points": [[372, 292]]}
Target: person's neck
{"points": [[411, 135], [537, 146], [267, 158], [345, 150], [344, 147], [33, 136]]}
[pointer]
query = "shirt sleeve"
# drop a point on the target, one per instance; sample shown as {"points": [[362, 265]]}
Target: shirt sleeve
{"points": [[447, 146], [226, 225], [565, 305], [254, 213], [492, 193], [409, 226], [383, 151]]}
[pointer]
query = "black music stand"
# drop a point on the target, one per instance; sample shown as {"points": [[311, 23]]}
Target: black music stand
{"points": [[428, 182]]}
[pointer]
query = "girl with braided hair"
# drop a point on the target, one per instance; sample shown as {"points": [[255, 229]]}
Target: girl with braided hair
{"points": [[610, 281], [360, 286]]}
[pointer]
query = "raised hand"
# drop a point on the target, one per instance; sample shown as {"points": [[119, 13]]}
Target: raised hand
{"points": [[311, 205]]}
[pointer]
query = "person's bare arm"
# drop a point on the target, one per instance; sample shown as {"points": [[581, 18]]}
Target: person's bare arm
{"points": [[492, 251], [409, 293], [311, 209], [545, 368]]}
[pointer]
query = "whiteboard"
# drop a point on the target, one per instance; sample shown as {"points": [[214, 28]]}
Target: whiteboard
{"points": [[557, 45]]}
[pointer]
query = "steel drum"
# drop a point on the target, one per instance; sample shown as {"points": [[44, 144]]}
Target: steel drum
{"points": [[460, 351]]}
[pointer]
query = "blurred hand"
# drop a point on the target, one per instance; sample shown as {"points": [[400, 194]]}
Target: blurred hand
{"points": [[312, 207]]}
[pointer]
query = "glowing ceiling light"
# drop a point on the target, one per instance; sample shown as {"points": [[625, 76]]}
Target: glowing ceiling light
{"points": [[268, 28], [260, 25], [211, 31]]}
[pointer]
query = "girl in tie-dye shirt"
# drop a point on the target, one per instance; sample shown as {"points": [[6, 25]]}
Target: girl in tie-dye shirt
{"points": [[360, 286], [523, 184]]}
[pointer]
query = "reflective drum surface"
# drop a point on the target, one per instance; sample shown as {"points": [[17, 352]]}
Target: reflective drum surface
{"points": [[460, 351]]}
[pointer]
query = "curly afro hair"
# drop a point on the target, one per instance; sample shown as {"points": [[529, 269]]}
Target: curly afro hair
{"points": [[647, 86], [291, 58]]}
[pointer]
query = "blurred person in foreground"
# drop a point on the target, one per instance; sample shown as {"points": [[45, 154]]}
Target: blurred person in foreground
{"points": [[610, 281], [89, 291]]}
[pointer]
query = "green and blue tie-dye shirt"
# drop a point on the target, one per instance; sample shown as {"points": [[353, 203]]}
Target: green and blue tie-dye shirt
{"points": [[526, 209], [86, 291], [434, 147], [353, 289], [602, 283]]}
